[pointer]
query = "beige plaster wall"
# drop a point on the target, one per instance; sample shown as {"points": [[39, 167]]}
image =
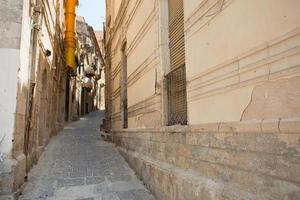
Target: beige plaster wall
{"points": [[143, 88], [139, 27], [234, 46], [242, 61]]}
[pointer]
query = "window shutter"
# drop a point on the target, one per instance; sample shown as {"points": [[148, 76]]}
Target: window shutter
{"points": [[176, 33], [176, 78]]}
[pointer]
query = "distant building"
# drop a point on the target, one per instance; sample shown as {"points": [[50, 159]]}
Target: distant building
{"points": [[100, 40], [87, 79], [203, 96]]}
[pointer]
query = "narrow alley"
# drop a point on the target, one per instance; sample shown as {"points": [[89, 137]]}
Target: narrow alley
{"points": [[78, 164], [149, 99]]}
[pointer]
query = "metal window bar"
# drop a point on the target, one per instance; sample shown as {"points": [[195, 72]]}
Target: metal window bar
{"points": [[177, 103]]}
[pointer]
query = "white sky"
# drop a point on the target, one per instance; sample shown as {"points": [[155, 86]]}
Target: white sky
{"points": [[93, 12]]}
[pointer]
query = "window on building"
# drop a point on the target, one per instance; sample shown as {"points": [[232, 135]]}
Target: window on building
{"points": [[124, 106], [176, 78]]}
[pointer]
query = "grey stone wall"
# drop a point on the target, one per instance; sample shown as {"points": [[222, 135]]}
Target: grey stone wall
{"points": [[243, 160], [10, 23]]}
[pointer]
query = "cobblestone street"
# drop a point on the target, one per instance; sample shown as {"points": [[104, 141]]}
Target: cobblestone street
{"points": [[78, 165]]}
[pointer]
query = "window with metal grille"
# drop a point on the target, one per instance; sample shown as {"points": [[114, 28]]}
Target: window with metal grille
{"points": [[177, 105], [176, 78]]}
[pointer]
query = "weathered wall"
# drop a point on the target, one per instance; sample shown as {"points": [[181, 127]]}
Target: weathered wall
{"points": [[242, 48], [242, 67], [10, 51], [11, 79], [48, 75], [216, 161], [25, 64], [8, 93], [135, 23], [224, 64]]}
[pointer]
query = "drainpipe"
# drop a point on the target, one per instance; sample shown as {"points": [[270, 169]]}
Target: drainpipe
{"points": [[70, 41]]}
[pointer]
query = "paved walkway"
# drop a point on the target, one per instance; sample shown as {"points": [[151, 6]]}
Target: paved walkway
{"points": [[78, 165]]}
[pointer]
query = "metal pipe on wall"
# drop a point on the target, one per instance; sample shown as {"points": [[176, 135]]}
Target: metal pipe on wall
{"points": [[70, 41]]}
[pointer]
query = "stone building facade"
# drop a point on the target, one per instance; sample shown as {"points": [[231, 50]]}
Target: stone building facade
{"points": [[202, 96], [100, 39], [39, 92], [87, 79], [32, 85]]}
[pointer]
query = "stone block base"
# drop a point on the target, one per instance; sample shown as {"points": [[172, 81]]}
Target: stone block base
{"points": [[170, 182], [12, 176], [7, 197], [241, 161]]}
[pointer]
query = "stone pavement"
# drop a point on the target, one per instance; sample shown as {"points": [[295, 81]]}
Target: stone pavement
{"points": [[78, 165]]}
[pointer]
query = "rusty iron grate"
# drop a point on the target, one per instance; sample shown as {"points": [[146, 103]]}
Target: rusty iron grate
{"points": [[177, 102]]}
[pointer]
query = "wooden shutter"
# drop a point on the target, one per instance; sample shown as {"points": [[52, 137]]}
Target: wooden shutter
{"points": [[176, 33], [176, 78]]}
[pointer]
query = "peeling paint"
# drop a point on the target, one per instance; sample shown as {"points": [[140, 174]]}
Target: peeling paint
{"points": [[274, 100]]}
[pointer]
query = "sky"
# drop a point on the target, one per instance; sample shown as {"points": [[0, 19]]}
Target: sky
{"points": [[93, 12]]}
